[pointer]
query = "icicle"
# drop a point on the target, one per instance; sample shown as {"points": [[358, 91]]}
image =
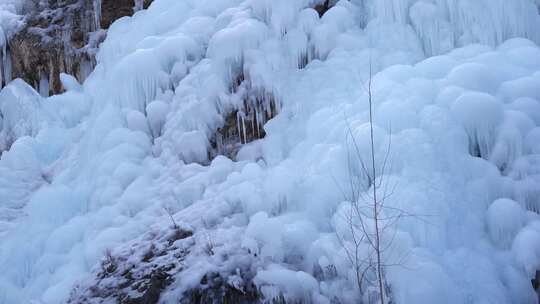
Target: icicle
{"points": [[2, 69], [85, 69], [238, 127], [391, 10], [257, 122], [97, 14], [252, 105], [219, 143], [244, 130], [43, 85], [138, 5], [276, 102], [6, 64], [3, 42]]}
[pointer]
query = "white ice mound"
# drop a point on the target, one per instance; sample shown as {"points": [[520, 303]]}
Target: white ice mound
{"points": [[505, 218]]}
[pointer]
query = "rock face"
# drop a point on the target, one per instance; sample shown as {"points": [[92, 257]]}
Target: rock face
{"points": [[138, 277], [115, 9], [55, 39], [61, 36], [146, 270]]}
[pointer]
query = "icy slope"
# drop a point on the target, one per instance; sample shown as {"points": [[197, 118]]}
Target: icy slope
{"points": [[94, 168]]}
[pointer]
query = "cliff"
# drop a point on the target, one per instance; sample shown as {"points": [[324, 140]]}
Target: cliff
{"points": [[62, 36]]}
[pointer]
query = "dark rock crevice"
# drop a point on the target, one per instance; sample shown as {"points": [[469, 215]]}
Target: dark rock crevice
{"points": [[245, 123], [322, 8], [215, 290]]}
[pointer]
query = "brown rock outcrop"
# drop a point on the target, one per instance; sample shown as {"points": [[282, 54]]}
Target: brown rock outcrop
{"points": [[62, 36]]}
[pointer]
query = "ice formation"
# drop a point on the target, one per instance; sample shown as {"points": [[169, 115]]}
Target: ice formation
{"points": [[10, 20], [112, 163]]}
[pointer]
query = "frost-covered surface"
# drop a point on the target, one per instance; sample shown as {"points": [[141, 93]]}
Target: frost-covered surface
{"points": [[10, 21], [95, 168], [10, 11]]}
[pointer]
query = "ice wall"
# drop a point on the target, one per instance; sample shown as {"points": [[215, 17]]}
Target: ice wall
{"points": [[444, 24]]}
